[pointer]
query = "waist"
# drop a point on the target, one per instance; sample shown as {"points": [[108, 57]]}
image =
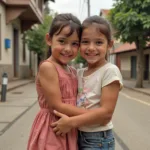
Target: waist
{"points": [[96, 128], [99, 134]]}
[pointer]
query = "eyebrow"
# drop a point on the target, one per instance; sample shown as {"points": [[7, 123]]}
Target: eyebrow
{"points": [[94, 39], [64, 38]]}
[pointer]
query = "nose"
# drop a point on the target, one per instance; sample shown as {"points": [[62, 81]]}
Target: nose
{"points": [[68, 48], [91, 47]]}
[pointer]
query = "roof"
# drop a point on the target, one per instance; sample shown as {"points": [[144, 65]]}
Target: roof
{"points": [[126, 47], [104, 12]]}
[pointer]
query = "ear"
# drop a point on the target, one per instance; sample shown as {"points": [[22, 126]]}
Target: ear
{"points": [[110, 45], [48, 39]]}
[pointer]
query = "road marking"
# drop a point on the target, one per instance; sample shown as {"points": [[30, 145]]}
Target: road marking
{"points": [[135, 99]]}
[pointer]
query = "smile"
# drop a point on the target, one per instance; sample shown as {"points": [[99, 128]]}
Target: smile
{"points": [[89, 54], [66, 55]]}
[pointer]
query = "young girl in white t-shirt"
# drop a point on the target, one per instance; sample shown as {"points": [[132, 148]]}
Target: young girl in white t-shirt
{"points": [[98, 88]]}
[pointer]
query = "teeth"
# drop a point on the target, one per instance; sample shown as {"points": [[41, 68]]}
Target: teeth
{"points": [[65, 55]]}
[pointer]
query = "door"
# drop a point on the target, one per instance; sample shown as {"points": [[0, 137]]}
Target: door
{"points": [[133, 67], [146, 67], [16, 53]]}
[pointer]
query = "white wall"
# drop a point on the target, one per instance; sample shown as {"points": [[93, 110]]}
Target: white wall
{"points": [[125, 59], [7, 32]]}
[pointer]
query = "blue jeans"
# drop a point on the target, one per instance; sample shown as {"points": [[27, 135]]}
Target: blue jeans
{"points": [[103, 140]]}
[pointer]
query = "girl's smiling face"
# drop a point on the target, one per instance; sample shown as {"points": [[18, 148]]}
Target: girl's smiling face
{"points": [[94, 45], [64, 47]]}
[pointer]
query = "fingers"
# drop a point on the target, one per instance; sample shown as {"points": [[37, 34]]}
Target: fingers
{"points": [[55, 129], [58, 133], [54, 124], [63, 134], [58, 113]]}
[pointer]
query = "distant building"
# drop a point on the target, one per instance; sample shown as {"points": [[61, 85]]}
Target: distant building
{"points": [[17, 16]]}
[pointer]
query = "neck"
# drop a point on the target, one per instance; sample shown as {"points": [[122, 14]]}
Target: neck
{"points": [[96, 65], [60, 64]]}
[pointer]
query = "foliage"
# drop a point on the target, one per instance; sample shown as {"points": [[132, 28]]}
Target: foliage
{"points": [[35, 37], [79, 59], [131, 21]]}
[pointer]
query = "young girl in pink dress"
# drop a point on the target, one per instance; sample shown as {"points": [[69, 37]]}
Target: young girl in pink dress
{"points": [[56, 86]]}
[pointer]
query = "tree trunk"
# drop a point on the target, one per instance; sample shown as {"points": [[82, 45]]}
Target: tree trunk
{"points": [[140, 64]]}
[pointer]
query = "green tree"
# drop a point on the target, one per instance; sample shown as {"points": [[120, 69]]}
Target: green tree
{"points": [[131, 20], [35, 37]]}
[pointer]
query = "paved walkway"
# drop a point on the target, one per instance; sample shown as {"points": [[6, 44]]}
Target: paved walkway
{"points": [[8, 116], [131, 85], [17, 83]]}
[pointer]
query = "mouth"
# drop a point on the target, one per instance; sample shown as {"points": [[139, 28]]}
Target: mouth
{"points": [[91, 54], [66, 55]]}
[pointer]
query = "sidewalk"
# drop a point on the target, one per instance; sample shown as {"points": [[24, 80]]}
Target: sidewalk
{"points": [[131, 85], [17, 83], [13, 108], [15, 105]]}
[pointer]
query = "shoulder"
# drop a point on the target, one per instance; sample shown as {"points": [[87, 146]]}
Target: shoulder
{"points": [[47, 68], [111, 68], [111, 74]]}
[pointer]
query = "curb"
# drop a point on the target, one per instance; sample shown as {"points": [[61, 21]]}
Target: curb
{"points": [[148, 94], [21, 114], [12, 122], [17, 86]]}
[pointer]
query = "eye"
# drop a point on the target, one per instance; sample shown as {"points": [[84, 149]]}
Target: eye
{"points": [[76, 44], [61, 41], [99, 42]]}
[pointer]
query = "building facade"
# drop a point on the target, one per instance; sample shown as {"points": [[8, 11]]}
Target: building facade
{"points": [[17, 16]]}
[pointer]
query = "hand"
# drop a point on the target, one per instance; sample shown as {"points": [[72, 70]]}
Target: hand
{"points": [[63, 125]]}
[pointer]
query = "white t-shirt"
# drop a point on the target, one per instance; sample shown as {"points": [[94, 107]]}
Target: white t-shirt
{"points": [[89, 91]]}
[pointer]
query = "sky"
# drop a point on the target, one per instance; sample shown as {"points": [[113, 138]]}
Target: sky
{"points": [[79, 7]]}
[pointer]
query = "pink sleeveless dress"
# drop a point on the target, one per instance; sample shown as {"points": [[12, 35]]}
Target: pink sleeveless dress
{"points": [[42, 136]]}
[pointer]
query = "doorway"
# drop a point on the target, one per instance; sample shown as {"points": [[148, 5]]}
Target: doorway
{"points": [[16, 52], [133, 67], [146, 67]]}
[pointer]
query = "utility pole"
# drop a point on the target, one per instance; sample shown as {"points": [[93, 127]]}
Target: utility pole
{"points": [[88, 7]]}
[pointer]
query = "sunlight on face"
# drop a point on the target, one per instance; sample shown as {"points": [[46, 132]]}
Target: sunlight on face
{"points": [[94, 45]]}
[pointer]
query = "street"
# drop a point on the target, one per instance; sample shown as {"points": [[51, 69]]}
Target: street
{"points": [[131, 120]]}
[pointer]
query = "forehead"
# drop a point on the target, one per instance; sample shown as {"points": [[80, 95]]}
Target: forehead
{"points": [[93, 30], [66, 31]]}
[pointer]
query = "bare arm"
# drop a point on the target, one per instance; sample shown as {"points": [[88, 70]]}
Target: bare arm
{"points": [[48, 77], [103, 114]]}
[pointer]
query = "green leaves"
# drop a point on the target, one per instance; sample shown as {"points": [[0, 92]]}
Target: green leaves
{"points": [[35, 37], [130, 19], [79, 59]]}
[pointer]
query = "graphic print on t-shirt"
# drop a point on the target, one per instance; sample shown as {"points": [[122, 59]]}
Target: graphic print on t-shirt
{"points": [[82, 100]]}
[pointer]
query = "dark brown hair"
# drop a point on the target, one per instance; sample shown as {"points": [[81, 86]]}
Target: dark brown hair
{"points": [[103, 25], [61, 21]]}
